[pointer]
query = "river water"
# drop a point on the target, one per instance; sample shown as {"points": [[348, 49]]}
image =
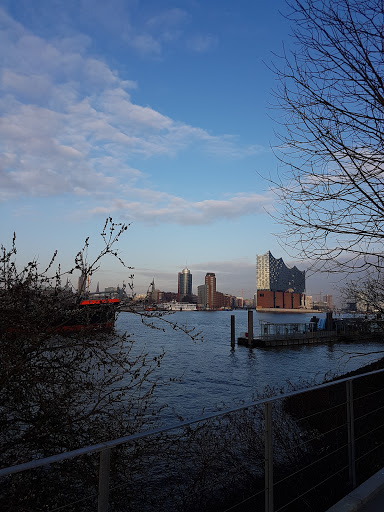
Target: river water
{"points": [[211, 376]]}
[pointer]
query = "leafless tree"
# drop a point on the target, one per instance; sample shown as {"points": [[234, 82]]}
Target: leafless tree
{"points": [[330, 95], [367, 294], [62, 390]]}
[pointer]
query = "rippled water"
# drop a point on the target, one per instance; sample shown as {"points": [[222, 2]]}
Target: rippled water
{"points": [[212, 374]]}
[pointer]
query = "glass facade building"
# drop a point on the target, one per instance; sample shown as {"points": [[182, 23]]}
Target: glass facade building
{"points": [[273, 274], [184, 283]]}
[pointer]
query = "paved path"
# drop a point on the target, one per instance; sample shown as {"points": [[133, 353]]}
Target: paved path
{"points": [[376, 504], [368, 497]]}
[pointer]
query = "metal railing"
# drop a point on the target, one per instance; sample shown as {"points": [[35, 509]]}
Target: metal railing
{"points": [[289, 426]]}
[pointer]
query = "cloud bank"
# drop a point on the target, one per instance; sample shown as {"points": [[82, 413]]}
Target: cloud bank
{"points": [[69, 125]]}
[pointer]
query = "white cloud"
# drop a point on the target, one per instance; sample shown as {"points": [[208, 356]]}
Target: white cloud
{"points": [[68, 125], [145, 43], [168, 18], [158, 207], [32, 87], [117, 103], [202, 43]]}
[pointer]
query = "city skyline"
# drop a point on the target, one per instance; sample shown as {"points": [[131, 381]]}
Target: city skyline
{"points": [[156, 115], [290, 274]]}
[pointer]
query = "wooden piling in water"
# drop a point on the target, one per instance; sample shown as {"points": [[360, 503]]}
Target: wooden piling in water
{"points": [[250, 327], [233, 331]]}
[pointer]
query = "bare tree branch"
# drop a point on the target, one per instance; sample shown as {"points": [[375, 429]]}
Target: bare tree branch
{"points": [[330, 95]]}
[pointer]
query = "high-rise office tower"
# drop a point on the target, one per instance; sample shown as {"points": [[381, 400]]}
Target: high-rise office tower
{"points": [[210, 283], [184, 283]]}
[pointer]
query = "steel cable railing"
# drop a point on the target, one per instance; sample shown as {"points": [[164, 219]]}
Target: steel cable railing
{"points": [[309, 416], [82, 500], [369, 413], [303, 439], [316, 437], [370, 451], [244, 501], [369, 432], [368, 394], [310, 465], [309, 490]]}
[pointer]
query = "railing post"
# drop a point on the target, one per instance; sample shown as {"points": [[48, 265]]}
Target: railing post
{"points": [[268, 439], [104, 470], [351, 434]]}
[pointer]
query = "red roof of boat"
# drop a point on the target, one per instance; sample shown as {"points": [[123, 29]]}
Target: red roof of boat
{"points": [[99, 301]]}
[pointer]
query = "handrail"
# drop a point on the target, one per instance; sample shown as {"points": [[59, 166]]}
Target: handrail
{"points": [[134, 437]]}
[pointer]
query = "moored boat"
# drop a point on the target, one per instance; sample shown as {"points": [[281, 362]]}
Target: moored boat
{"points": [[90, 314]]}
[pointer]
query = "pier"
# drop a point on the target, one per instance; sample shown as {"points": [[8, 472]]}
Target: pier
{"points": [[285, 340], [314, 332]]}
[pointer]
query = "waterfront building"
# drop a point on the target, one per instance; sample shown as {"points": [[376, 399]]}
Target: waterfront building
{"points": [[209, 298], [184, 283], [328, 299], [139, 297], [219, 300], [239, 302], [202, 296], [308, 303], [228, 301], [169, 296], [323, 302], [279, 299], [273, 274], [278, 286], [210, 283]]}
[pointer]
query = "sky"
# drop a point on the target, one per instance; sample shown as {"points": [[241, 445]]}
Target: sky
{"points": [[155, 113]]}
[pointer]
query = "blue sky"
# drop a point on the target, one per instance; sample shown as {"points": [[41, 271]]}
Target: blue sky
{"points": [[152, 112]]}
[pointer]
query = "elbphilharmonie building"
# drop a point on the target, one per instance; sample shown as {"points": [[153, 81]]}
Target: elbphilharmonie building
{"points": [[272, 274]]}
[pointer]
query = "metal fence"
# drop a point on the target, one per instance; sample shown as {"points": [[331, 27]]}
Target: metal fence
{"points": [[301, 450]]}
